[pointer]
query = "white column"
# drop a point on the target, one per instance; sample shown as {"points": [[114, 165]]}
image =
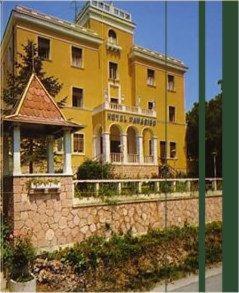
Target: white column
{"points": [[155, 150], [140, 149], [50, 155], [67, 152], [16, 150], [124, 149], [6, 169], [106, 146]]}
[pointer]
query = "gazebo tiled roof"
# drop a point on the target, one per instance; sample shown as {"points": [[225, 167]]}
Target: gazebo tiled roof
{"points": [[36, 106]]}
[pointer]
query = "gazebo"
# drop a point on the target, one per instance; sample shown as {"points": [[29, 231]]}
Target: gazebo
{"points": [[35, 115]]}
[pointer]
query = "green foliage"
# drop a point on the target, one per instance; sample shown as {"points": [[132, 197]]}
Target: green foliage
{"points": [[213, 135], [4, 243], [29, 62], [91, 169], [18, 255], [126, 262]]}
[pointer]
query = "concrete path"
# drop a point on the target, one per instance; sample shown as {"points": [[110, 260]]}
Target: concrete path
{"points": [[190, 283]]}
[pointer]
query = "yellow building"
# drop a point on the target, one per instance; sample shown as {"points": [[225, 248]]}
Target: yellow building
{"points": [[115, 88]]}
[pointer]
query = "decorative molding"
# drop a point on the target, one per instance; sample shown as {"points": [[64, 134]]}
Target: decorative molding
{"points": [[157, 57], [55, 24]]}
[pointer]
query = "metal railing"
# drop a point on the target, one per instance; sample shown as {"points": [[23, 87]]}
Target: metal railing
{"points": [[132, 187]]}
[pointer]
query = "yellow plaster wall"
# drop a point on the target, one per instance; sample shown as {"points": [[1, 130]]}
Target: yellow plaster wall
{"points": [[93, 78]]}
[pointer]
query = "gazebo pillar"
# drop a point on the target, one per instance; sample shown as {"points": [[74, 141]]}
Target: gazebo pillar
{"points": [[50, 155], [16, 150], [67, 152]]}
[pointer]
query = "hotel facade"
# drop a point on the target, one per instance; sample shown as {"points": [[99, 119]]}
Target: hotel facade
{"points": [[129, 99]]}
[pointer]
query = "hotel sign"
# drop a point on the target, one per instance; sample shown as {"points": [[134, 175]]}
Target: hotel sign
{"points": [[131, 119]]}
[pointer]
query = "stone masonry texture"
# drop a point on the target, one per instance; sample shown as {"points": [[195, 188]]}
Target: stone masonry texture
{"points": [[52, 220]]}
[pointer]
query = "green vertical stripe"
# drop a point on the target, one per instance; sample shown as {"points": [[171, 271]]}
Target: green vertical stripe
{"points": [[201, 146], [230, 146]]}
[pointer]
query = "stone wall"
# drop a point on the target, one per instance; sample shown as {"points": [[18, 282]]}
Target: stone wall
{"points": [[135, 171], [53, 219]]}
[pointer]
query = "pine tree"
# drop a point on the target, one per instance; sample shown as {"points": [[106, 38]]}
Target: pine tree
{"points": [[33, 150], [16, 81]]}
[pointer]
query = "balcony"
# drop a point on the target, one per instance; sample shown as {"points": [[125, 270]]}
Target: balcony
{"points": [[125, 109], [112, 45]]}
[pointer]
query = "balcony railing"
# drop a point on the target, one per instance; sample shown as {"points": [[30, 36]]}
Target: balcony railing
{"points": [[124, 108], [133, 158], [116, 157], [148, 159]]}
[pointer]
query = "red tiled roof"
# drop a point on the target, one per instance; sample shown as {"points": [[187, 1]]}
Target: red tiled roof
{"points": [[37, 106]]}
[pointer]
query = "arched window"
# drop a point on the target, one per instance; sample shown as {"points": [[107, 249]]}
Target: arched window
{"points": [[112, 36]]}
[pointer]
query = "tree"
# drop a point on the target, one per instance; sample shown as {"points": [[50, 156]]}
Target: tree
{"points": [[213, 135], [32, 150]]}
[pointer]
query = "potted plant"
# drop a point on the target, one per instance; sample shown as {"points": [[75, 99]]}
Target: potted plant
{"points": [[22, 254]]}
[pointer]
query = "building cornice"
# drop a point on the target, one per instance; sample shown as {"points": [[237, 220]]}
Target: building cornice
{"points": [[158, 58], [93, 13], [52, 23]]}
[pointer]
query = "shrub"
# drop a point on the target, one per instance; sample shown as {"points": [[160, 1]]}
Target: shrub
{"points": [[91, 169], [130, 263], [18, 256]]}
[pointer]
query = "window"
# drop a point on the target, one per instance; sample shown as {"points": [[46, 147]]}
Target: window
{"points": [[112, 37], [171, 111], [162, 149], [150, 105], [113, 67], [114, 101], [170, 82], [150, 77], [76, 56], [43, 48], [78, 143], [77, 97], [172, 150], [59, 144], [150, 147]]}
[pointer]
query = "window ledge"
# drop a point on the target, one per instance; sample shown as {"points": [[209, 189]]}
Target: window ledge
{"points": [[77, 67], [172, 91], [78, 154], [75, 107], [151, 85], [116, 80]]}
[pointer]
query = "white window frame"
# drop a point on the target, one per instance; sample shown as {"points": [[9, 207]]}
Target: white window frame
{"points": [[173, 158], [117, 73], [174, 83], [82, 57], [72, 144], [149, 83], [74, 107], [175, 114], [50, 46]]}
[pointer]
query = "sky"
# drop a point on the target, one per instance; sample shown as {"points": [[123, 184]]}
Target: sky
{"points": [[149, 17]]}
